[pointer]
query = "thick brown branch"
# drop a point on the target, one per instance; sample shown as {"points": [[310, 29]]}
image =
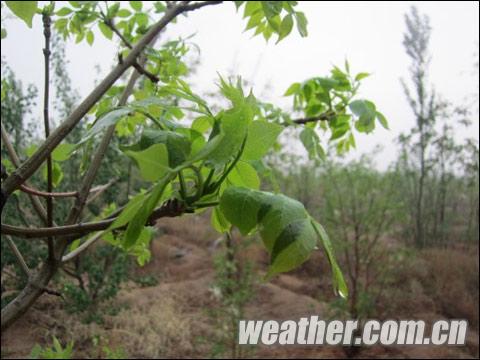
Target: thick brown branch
{"points": [[171, 208]]}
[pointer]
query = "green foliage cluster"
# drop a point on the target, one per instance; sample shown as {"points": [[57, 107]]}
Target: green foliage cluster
{"points": [[184, 154]]}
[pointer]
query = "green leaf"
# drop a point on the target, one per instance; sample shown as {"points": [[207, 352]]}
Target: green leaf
{"points": [[178, 145], [107, 119], [244, 175], [339, 131], [153, 162], [64, 11], [218, 221], [366, 112], [271, 8], [301, 23], [381, 118], [262, 135], [135, 226], [311, 142], [284, 224], [141, 247], [339, 282], [106, 31], [361, 76], [252, 7], [141, 18], [25, 10], [202, 123], [231, 124], [62, 152], [240, 206], [123, 13], [362, 107], [90, 37], [57, 174], [129, 212], [233, 131], [136, 5], [293, 89], [285, 27]]}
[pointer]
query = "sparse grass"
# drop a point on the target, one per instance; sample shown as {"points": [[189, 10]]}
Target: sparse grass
{"points": [[150, 329]]}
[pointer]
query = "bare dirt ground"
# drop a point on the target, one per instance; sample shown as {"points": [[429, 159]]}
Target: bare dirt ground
{"points": [[171, 318]]}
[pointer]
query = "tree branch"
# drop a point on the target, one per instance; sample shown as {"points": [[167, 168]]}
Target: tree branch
{"points": [[32, 191], [37, 205], [29, 167], [195, 6], [326, 116], [170, 208], [37, 286], [18, 255], [72, 255], [112, 27], [46, 53]]}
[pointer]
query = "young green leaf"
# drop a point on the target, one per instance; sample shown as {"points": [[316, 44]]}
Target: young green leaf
{"points": [[262, 135], [285, 27], [283, 223], [244, 175], [218, 221], [153, 161], [25, 10], [136, 5], [129, 212], [178, 146], [106, 31], [301, 23], [136, 224], [383, 121], [311, 142], [62, 152], [339, 282]]}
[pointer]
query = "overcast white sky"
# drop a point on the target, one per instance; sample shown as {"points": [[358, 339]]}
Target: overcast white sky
{"points": [[369, 34]]}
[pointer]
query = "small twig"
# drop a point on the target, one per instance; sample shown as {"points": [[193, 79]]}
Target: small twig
{"points": [[99, 190], [18, 255], [28, 190], [72, 255], [112, 27], [184, 6], [136, 65], [154, 78], [326, 116]]}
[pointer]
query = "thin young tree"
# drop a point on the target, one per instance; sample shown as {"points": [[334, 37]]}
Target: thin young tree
{"points": [[421, 98]]}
